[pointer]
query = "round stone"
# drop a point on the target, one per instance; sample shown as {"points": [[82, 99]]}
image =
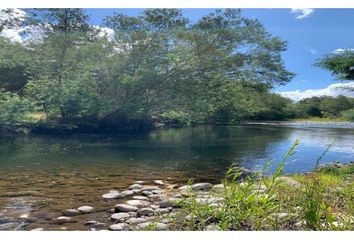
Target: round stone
{"points": [[135, 186], [71, 212], [85, 209], [202, 186], [113, 194], [145, 212], [138, 203], [159, 182], [140, 198], [64, 219], [120, 216], [146, 193], [154, 226], [125, 208], [136, 220], [127, 193], [119, 227]]}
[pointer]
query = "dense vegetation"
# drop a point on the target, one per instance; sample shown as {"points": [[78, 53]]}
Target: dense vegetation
{"points": [[320, 200], [155, 68]]}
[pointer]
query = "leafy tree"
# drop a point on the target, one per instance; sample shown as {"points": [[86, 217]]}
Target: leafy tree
{"points": [[340, 64]]}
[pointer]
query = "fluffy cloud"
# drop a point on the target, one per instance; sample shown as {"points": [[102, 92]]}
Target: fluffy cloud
{"points": [[302, 12], [340, 50], [334, 90]]}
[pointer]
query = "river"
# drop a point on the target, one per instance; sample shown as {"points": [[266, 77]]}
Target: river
{"points": [[42, 175]]}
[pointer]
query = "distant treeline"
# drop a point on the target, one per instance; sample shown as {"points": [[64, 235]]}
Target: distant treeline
{"points": [[156, 68]]}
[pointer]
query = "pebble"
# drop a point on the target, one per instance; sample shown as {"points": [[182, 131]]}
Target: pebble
{"points": [[127, 193], [165, 204], [159, 182], [71, 212], [146, 193], [94, 223], [137, 220], [140, 198], [202, 186], [125, 208], [145, 212], [118, 227], [120, 216], [64, 219], [132, 214], [135, 186], [113, 194], [85, 209], [161, 211], [154, 226], [138, 203]]}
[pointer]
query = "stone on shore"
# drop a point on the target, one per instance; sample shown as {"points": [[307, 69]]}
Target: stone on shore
{"points": [[145, 212], [135, 187], [202, 186], [94, 223], [85, 209], [146, 193], [140, 198], [137, 220], [154, 226], [166, 204], [71, 212], [159, 182], [119, 227], [113, 194], [120, 216], [127, 193], [125, 208], [138, 203], [64, 219]]}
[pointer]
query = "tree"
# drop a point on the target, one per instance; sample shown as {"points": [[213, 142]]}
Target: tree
{"points": [[340, 64]]}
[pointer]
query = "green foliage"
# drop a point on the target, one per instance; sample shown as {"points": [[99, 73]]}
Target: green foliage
{"points": [[340, 64], [13, 109], [173, 118], [273, 203], [219, 69], [348, 114]]}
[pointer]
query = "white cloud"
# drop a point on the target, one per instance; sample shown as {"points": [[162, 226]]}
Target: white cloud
{"points": [[333, 90], [311, 50], [302, 12], [340, 50], [105, 32]]}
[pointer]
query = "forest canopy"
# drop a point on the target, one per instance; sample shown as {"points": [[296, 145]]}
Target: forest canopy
{"points": [[155, 68]]}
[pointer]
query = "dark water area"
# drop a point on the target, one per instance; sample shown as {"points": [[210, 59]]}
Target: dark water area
{"points": [[42, 175]]}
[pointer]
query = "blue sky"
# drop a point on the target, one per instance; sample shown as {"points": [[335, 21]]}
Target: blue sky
{"points": [[309, 34]]}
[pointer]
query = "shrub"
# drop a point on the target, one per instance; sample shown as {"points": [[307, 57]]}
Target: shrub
{"points": [[174, 118], [349, 114]]}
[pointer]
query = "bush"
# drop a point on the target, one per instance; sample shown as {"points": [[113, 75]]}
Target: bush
{"points": [[13, 109], [349, 114], [174, 118]]}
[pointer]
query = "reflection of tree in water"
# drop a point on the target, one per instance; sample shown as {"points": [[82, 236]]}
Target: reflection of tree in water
{"points": [[212, 149]]}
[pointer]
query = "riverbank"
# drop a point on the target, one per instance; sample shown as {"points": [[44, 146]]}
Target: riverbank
{"points": [[322, 200]]}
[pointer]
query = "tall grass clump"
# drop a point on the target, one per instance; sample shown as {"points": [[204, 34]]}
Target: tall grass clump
{"points": [[276, 202]]}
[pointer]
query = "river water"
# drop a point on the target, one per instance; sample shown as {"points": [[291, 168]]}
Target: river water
{"points": [[42, 175]]}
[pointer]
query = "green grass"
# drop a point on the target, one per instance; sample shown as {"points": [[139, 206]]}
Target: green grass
{"points": [[322, 200], [318, 119]]}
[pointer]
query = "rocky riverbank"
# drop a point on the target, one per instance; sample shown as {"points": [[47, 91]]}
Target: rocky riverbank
{"points": [[322, 200]]}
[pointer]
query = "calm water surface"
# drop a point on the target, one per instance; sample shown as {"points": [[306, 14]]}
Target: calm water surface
{"points": [[43, 175]]}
